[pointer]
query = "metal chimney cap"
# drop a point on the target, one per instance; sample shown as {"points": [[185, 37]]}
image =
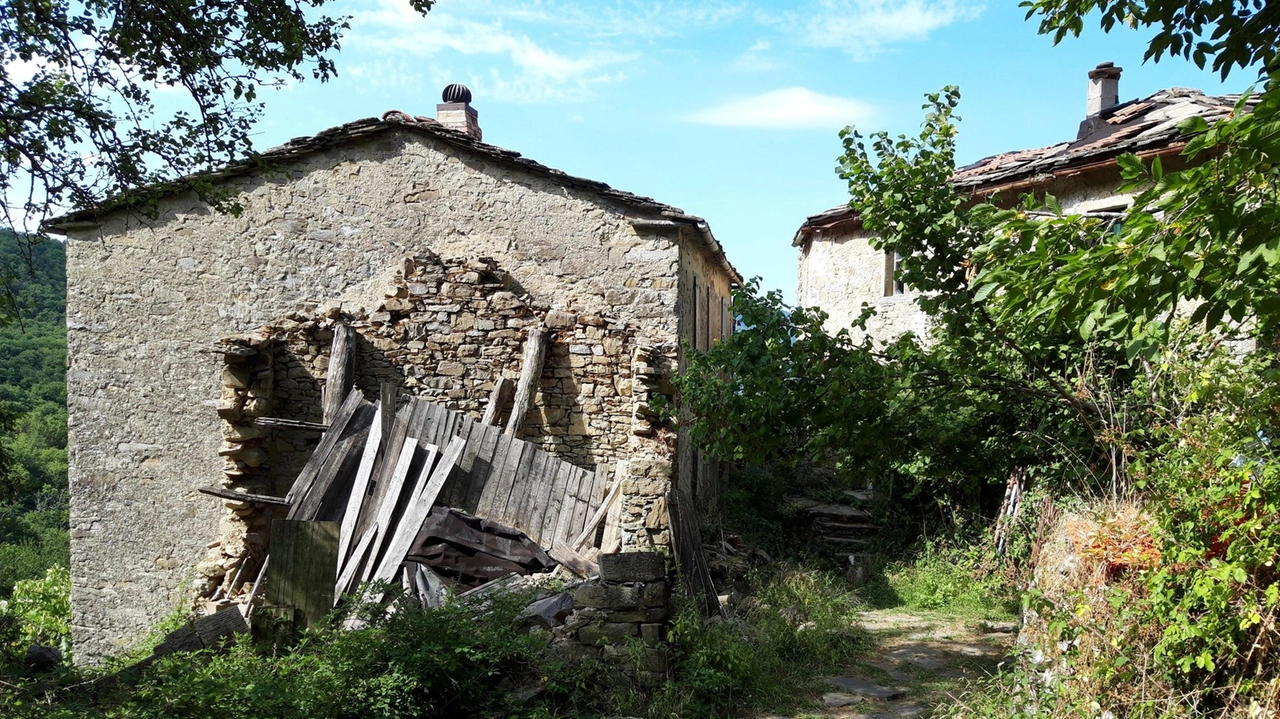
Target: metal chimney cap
{"points": [[456, 93]]}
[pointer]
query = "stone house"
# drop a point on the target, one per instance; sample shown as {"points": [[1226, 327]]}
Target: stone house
{"points": [[440, 251], [839, 269]]}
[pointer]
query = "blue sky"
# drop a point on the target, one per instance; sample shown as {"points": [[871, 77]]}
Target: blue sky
{"points": [[729, 110]]}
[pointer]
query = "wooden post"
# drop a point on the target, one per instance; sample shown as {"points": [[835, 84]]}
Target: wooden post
{"points": [[503, 389], [535, 350], [339, 377], [304, 569]]}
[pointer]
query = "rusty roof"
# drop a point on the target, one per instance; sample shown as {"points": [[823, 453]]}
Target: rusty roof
{"points": [[357, 130], [1146, 126]]}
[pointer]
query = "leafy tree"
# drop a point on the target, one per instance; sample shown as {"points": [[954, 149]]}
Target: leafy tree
{"points": [[78, 123], [1231, 33]]}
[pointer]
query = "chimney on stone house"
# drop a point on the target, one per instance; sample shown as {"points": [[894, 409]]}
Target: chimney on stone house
{"points": [[1104, 88], [456, 112]]}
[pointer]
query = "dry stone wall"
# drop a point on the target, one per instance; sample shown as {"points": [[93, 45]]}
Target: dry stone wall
{"points": [[148, 297]]}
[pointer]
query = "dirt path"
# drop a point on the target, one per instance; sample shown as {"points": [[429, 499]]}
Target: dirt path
{"points": [[920, 660]]}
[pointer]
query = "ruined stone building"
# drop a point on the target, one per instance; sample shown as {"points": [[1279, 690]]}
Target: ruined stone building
{"points": [[440, 251], [840, 270]]}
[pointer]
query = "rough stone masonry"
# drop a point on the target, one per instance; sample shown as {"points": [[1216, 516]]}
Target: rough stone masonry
{"points": [[324, 231]]}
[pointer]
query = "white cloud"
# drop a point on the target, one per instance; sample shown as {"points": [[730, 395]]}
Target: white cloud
{"points": [[788, 108], [755, 59], [863, 28]]}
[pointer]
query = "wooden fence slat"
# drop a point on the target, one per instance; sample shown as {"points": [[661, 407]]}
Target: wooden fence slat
{"points": [[383, 468], [505, 476], [482, 467], [555, 500], [518, 505], [427, 489], [568, 487], [351, 567], [455, 492], [360, 487], [389, 500], [529, 511]]}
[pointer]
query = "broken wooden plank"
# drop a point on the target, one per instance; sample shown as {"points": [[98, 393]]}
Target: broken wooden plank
{"points": [[339, 375], [293, 424], [360, 487], [504, 391], [573, 561], [611, 537], [416, 512], [307, 476], [535, 351], [304, 568], [351, 569], [257, 586], [431, 588], [383, 467], [589, 529], [387, 505], [340, 462], [243, 496]]}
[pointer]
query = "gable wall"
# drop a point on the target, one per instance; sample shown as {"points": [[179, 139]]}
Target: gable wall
{"points": [[839, 269], [147, 300]]}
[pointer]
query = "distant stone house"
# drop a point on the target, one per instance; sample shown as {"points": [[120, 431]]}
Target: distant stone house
{"points": [[839, 269], [440, 251]]}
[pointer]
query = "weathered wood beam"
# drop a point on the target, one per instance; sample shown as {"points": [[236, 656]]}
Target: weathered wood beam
{"points": [[573, 561], [243, 496], [294, 424], [339, 377], [503, 392], [535, 351]]}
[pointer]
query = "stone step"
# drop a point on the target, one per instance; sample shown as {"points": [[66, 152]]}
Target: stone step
{"points": [[829, 527], [865, 688], [845, 541], [838, 512], [860, 495]]}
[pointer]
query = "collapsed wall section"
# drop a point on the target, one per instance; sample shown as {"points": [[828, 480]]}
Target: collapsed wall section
{"points": [[446, 331]]}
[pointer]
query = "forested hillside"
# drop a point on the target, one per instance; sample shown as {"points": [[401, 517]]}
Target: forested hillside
{"points": [[33, 413]]}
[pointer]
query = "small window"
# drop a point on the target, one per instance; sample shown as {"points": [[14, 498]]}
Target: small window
{"points": [[893, 284]]}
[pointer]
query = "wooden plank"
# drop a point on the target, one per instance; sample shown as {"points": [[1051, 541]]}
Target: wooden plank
{"points": [[589, 529], [529, 511], [360, 486], [455, 490], [224, 624], [387, 401], [307, 476], [257, 585], [243, 496], [582, 506], [690, 559], [573, 561], [387, 504], [339, 375], [500, 483], [290, 424], [343, 457], [519, 486], [504, 391], [546, 500], [482, 467], [557, 483], [351, 569], [303, 568], [383, 468], [535, 351], [568, 481], [416, 512]]}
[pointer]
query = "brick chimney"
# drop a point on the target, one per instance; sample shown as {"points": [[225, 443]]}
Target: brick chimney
{"points": [[1104, 88], [456, 112]]}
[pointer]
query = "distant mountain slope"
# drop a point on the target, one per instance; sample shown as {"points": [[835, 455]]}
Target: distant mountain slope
{"points": [[33, 359]]}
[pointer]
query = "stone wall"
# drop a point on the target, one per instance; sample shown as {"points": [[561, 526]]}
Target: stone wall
{"points": [[839, 270], [629, 604], [148, 297]]}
